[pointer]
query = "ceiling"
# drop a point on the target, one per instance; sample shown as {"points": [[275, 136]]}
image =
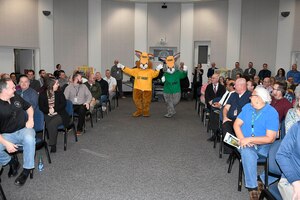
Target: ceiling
{"points": [[165, 1]]}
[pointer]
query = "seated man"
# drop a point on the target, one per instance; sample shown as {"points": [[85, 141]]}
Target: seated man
{"points": [[95, 90], [104, 90], [288, 159], [112, 84], [213, 90], [35, 84], [255, 127], [81, 97], [27, 93], [16, 130]]}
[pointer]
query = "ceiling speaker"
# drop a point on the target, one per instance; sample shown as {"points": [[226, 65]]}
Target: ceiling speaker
{"points": [[285, 14]]}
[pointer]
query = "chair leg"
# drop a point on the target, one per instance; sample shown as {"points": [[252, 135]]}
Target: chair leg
{"points": [[240, 175], [65, 140], [75, 135], [221, 145], [47, 152], [230, 161]]}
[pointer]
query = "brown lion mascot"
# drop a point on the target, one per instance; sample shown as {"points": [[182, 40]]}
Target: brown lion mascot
{"points": [[142, 90]]}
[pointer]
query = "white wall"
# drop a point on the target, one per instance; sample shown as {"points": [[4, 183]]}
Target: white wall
{"points": [[45, 54], [94, 34], [140, 28], [285, 35], [7, 60], [233, 32], [186, 37]]}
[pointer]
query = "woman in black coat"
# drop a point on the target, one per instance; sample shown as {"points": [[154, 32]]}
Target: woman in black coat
{"points": [[197, 80], [52, 103]]}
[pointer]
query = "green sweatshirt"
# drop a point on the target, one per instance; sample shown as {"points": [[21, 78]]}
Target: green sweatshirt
{"points": [[172, 82]]}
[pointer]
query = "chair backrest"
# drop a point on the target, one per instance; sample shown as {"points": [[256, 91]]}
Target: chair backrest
{"points": [[282, 129], [38, 118], [69, 107], [273, 166]]}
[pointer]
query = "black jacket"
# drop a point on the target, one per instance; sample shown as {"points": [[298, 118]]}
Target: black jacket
{"points": [[59, 105]]}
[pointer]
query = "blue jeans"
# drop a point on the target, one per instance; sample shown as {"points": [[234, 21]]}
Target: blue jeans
{"points": [[250, 156], [24, 137], [103, 99]]}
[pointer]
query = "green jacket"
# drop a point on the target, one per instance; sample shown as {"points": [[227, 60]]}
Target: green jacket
{"points": [[172, 82]]}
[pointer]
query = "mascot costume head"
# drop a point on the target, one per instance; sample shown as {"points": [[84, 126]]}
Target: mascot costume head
{"points": [[144, 62], [170, 62]]}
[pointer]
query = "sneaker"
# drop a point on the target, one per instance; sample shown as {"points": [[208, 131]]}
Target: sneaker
{"points": [[168, 115], [253, 195], [78, 132], [123, 97], [103, 108]]}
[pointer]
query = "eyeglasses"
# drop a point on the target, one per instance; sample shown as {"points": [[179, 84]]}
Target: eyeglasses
{"points": [[253, 95]]}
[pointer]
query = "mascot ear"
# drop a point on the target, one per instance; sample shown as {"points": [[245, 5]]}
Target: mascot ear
{"points": [[176, 56], [151, 56], [138, 53]]}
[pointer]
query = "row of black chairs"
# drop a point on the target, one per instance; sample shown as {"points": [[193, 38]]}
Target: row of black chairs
{"points": [[272, 171]]}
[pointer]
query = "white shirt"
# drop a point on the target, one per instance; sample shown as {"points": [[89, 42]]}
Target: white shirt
{"points": [[112, 82]]}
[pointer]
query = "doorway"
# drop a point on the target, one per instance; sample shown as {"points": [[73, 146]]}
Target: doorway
{"points": [[24, 60]]}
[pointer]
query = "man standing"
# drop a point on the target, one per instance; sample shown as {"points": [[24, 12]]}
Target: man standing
{"points": [[294, 73], [211, 70], [16, 128], [236, 70], [117, 73], [81, 97], [264, 72], [56, 72], [250, 71], [112, 84]]}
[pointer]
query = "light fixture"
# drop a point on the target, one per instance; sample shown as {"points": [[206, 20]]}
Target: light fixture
{"points": [[164, 6]]}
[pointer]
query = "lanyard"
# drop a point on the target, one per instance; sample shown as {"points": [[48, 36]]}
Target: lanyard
{"points": [[255, 116], [77, 90]]}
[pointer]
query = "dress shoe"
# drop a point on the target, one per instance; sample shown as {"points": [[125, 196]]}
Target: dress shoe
{"points": [[14, 165], [21, 180], [53, 148], [212, 138]]}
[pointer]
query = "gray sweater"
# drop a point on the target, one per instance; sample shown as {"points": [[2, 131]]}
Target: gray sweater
{"points": [[78, 94]]}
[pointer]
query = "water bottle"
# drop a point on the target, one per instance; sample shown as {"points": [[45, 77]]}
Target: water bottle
{"points": [[41, 164]]}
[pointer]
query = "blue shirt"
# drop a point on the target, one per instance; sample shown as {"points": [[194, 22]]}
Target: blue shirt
{"points": [[29, 95], [295, 75], [288, 154], [265, 119], [236, 103]]}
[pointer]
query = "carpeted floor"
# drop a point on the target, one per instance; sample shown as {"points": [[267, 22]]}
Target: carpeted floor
{"points": [[126, 158]]}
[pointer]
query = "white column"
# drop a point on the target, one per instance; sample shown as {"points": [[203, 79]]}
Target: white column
{"points": [[45, 55], [186, 36], [140, 27], [233, 32], [285, 35], [94, 34]]}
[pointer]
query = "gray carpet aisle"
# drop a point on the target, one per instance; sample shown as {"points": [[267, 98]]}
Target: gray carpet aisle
{"points": [[126, 158]]}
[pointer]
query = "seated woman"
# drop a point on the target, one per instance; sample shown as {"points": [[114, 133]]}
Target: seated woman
{"points": [[293, 115], [288, 159], [256, 127], [52, 103]]}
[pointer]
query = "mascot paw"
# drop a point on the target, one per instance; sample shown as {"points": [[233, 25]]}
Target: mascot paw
{"points": [[146, 114], [159, 67], [120, 66], [136, 114], [163, 79]]}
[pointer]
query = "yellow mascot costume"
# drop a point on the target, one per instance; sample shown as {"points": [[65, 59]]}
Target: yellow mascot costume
{"points": [[142, 90]]}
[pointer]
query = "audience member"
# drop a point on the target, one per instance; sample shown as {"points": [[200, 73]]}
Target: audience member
{"points": [[52, 103], [112, 84], [81, 97], [291, 84], [294, 73], [211, 70], [56, 72], [288, 159], [35, 84], [95, 90], [235, 104], [63, 80], [213, 90], [222, 80], [27, 93], [117, 73], [293, 115], [264, 72], [280, 76], [257, 80], [267, 84], [251, 85], [104, 89], [13, 78], [256, 127], [42, 74], [197, 80], [202, 90], [250, 72], [236, 70], [16, 128], [281, 104]]}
